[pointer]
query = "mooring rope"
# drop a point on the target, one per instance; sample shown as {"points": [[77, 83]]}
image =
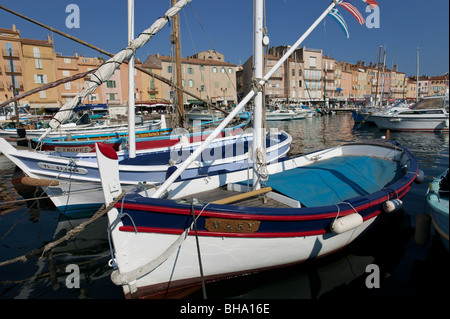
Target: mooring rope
{"points": [[103, 210]]}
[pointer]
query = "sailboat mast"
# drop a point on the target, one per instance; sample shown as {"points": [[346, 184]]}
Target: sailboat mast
{"points": [[417, 79], [258, 134], [176, 30], [378, 76], [131, 104], [383, 78]]}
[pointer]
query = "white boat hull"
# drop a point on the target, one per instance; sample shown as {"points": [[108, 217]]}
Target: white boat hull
{"points": [[78, 191], [221, 256], [411, 123]]}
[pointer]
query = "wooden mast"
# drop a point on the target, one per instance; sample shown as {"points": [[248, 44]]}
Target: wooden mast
{"points": [[176, 40]]}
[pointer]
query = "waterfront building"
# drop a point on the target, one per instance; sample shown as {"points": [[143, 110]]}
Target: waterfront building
{"points": [[152, 87], [11, 54], [67, 66], [308, 76], [438, 85], [205, 74], [411, 89], [27, 63], [39, 69]]}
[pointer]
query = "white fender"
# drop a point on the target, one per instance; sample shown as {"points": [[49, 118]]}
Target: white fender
{"points": [[346, 223], [392, 205]]}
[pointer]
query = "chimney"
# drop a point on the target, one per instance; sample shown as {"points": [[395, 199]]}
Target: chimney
{"points": [[14, 28]]}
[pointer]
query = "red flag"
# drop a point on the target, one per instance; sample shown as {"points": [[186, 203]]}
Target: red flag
{"points": [[350, 8], [371, 3]]}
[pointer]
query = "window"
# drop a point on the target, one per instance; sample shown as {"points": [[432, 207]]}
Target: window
{"points": [[40, 78], [67, 85], [312, 61], [42, 95], [112, 96], [190, 70], [190, 83], [38, 64], [214, 70], [230, 70], [66, 73], [111, 84], [36, 52], [222, 70], [169, 69], [67, 60], [202, 88], [8, 47]]}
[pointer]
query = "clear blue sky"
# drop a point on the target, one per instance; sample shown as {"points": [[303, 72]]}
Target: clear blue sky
{"points": [[405, 25]]}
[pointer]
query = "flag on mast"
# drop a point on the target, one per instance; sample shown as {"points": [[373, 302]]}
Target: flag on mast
{"points": [[334, 13], [371, 3], [351, 8]]}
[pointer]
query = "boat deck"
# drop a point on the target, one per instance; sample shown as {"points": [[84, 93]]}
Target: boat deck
{"points": [[222, 193]]}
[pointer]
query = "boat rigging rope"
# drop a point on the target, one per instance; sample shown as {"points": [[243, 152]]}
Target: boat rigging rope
{"points": [[41, 251]]}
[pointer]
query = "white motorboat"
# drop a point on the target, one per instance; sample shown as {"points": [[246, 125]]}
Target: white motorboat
{"points": [[429, 114]]}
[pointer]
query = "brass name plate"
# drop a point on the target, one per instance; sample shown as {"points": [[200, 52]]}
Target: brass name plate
{"points": [[232, 225]]}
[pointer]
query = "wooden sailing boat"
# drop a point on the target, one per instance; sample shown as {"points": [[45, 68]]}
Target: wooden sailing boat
{"points": [[179, 237]]}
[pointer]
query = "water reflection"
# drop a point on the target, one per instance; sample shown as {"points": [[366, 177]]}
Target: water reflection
{"points": [[318, 132], [408, 271]]}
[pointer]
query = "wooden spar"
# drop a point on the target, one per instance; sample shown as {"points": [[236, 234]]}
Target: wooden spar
{"points": [[156, 76], [47, 86], [238, 107], [236, 198], [175, 38]]}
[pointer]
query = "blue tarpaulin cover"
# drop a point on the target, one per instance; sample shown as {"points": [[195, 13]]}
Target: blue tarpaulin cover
{"points": [[335, 180]]}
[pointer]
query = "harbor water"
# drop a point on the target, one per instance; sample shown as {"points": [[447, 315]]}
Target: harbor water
{"points": [[385, 263]]}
